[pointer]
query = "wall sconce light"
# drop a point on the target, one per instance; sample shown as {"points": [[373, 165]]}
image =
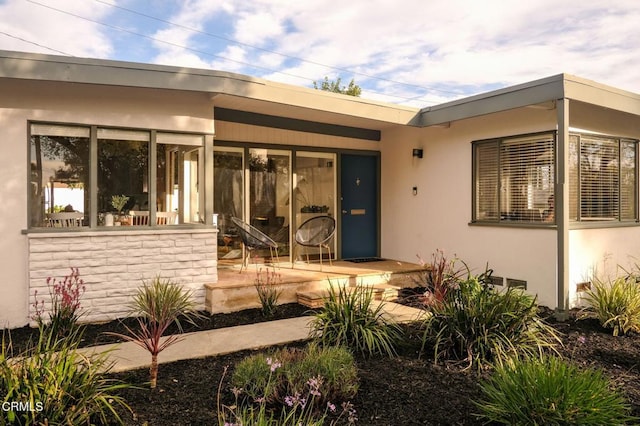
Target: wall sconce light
{"points": [[417, 152]]}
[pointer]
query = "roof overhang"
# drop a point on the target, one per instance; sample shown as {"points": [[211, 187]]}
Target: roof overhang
{"points": [[538, 94], [224, 89]]}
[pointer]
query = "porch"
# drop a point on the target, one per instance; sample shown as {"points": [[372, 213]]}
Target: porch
{"points": [[307, 283]]}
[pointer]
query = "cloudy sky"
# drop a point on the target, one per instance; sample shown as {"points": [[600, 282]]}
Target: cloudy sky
{"points": [[414, 52]]}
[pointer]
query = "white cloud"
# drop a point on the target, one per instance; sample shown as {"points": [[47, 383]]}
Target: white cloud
{"points": [[450, 48], [41, 27]]}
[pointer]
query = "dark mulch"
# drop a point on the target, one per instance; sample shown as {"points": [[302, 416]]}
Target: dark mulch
{"points": [[400, 391], [97, 334]]}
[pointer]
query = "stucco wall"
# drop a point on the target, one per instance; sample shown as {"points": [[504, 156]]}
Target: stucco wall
{"points": [[114, 264], [601, 251], [68, 103], [438, 216]]}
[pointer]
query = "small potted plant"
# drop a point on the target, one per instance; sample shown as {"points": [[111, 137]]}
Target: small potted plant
{"points": [[118, 202]]}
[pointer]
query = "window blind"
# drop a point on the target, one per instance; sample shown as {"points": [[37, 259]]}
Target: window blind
{"points": [[514, 178]]}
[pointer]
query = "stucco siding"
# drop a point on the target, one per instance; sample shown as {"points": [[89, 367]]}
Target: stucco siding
{"points": [[68, 103], [439, 216], [13, 218], [601, 251]]}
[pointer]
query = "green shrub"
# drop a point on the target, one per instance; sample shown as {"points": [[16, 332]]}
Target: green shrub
{"points": [[56, 384], [616, 304], [349, 318], [550, 391], [329, 372], [478, 325]]}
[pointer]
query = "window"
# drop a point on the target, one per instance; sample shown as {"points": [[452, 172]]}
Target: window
{"points": [[178, 176], [602, 178], [59, 168], [123, 168], [514, 179], [77, 171]]}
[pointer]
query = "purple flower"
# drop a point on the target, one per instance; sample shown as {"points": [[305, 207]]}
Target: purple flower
{"points": [[582, 340], [331, 407], [274, 364], [289, 401]]}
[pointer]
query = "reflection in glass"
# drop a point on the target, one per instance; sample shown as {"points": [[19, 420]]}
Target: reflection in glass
{"points": [[269, 197], [228, 171], [178, 176], [123, 169], [315, 189], [59, 173]]}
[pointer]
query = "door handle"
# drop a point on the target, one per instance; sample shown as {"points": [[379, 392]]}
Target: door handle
{"points": [[344, 212]]}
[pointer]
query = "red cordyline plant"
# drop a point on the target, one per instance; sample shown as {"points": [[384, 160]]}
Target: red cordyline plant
{"points": [[157, 305], [65, 303], [440, 276]]}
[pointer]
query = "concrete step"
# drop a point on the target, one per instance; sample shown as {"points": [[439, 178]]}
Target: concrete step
{"points": [[315, 298]]}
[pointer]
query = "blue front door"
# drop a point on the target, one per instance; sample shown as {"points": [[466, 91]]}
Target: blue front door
{"points": [[359, 196]]}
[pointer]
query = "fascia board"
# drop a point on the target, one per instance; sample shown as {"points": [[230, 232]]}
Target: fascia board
{"points": [[127, 74], [590, 92], [536, 92]]}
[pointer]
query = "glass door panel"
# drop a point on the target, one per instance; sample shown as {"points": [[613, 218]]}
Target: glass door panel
{"points": [[228, 175], [315, 191], [269, 195]]}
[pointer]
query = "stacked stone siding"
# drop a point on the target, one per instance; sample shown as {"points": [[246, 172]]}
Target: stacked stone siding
{"points": [[114, 264]]}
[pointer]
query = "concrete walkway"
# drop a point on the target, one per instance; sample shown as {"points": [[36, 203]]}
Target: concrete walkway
{"points": [[200, 344]]}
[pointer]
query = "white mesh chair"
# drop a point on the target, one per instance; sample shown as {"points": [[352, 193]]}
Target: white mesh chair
{"points": [[316, 232]]}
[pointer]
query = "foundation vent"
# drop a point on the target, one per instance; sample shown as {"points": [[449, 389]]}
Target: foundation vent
{"points": [[512, 282], [497, 281]]}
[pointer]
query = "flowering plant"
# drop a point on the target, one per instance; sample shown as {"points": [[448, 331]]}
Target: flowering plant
{"points": [[297, 409], [65, 304], [269, 290]]}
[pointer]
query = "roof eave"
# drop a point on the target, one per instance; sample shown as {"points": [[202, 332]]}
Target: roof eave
{"points": [[41, 67]]}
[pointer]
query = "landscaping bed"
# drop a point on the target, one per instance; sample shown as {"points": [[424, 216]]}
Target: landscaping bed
{"points": [[401, 391], [404, 390]]}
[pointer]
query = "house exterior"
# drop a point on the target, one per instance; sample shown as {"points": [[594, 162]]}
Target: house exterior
{"points": [[539, 181]]}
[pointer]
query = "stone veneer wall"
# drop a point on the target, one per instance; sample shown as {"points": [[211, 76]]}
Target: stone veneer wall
{"points": [[114, 264]]}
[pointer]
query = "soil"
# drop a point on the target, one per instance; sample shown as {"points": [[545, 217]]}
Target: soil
{"points": [[405, 390]]}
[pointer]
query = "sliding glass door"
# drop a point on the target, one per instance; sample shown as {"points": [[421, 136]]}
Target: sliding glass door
{"points": [[274, 190], [228, 199], [269, 190]]}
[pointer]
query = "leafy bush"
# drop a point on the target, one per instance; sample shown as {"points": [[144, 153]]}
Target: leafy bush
{"points": [[268, 287], [65, 305], [479, 325], [616, 304], [53, 383], [348, 318], [550, 391], [328, 373], [156, 306]]}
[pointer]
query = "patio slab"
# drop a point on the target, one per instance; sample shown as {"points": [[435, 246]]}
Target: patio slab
{"points": [[235, 290]]}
